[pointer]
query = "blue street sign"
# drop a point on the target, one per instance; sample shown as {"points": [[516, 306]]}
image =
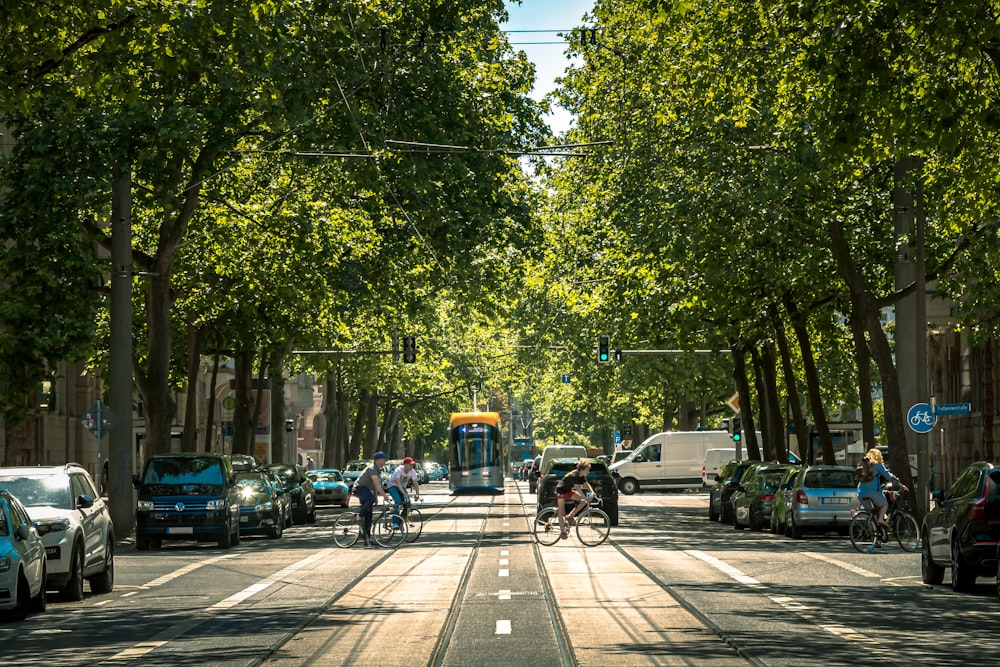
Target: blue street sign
{"points": [[921, 418], [953, 409], [565, 378], [618, 437]]}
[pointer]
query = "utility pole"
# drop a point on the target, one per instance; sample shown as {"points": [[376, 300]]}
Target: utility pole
{"points": [[121, 494]]}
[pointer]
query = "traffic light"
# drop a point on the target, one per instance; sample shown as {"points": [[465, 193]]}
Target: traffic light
{"points": [[737, 429], [409, 349], [604, 349], [618, 355]]}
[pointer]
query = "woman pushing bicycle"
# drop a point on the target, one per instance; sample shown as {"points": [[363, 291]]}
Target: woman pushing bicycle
{"points": [[569, 489]]}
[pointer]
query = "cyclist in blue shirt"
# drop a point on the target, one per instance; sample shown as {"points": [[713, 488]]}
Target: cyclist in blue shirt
{"points": [[367, 487], [870, 483]]}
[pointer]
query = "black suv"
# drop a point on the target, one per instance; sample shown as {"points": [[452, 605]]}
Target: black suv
{"points": [[721, 494], [599, 477], [299, 488], [963, 530], [187, 497]]}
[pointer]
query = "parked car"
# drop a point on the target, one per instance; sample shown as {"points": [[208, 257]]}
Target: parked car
{"points": [[300, 490], [754, 501], [22, 561], [437, 471], [74, 522], [720, 495], [353, 470], [187, 497], [330, 487], [715, 459], [782, 498], [822, 500], [962, 531], [260, 511], [533, 474], [605, 485], [423, 476], [515, 470]]}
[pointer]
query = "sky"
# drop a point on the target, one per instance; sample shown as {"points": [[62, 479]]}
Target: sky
{"points": [[550, 59]]}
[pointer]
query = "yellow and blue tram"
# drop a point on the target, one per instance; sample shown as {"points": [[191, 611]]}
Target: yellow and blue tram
{"points": [[475, 446]]}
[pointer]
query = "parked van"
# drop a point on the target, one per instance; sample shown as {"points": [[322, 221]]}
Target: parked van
{"points": [[671, 460], [714, 459], [553, 452], [187, 497]]}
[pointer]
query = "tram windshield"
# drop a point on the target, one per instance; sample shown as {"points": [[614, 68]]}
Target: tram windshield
{"points": [[475, 446]]}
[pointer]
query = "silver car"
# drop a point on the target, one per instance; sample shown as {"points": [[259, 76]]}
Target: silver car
{"points": [[821, 500]]}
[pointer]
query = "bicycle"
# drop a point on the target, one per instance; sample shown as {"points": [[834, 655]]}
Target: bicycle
{"points": [[866, 532], [592, 525], [388, 528], [414, 521]]}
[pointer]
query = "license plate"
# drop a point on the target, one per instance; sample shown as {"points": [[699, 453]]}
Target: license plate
{"points": [[244, 519], [180, 530], [835, 501]]}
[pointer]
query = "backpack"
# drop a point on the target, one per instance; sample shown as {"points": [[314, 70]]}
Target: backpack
{"points": [[863, 471]]}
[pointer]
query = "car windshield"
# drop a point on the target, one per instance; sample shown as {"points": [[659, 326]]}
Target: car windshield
{"points": [[357, 466], [184, 471], [326, 477], [829, 479], [256, 485], [48, 491]]}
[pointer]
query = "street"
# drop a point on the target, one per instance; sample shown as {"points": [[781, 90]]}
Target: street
{"points": [[668, 588]]}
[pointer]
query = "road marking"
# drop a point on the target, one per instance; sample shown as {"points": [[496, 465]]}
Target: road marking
{"points": [[189, 568], [504, 573], [724, 567], [839, 563], [175, 631], [503, 628], [504, 594], [504, 552], [504, 561]]}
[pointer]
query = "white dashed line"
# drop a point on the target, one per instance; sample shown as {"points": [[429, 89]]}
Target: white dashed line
{"points": [[503, 628]]}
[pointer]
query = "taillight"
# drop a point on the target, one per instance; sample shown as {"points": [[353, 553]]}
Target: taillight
{"points": [[767, 497], [977, 511], [801, 498]]}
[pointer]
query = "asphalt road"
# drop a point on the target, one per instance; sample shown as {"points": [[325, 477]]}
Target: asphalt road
{"points": [[668, 588]]}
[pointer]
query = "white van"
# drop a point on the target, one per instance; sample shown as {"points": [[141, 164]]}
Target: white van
{"points": [[714, 458], [553, 452], [671, 460]]}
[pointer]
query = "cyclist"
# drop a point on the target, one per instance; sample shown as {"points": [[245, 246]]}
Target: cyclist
{"points": [[398, 481], [569, 489], [870, 483], [367, 485]]}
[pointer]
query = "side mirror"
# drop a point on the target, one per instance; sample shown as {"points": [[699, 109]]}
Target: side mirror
{"points": [[83, 500], [718, 478], [23, 532], [135, 481], [938, 497]]}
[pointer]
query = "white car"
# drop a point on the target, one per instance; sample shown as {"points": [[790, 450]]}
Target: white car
{"points": [[74, 522], [22, 561]]}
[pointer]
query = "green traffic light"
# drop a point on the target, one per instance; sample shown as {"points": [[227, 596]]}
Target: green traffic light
{"points": [[737, 437]]}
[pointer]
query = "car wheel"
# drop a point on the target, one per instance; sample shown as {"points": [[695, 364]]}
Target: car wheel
{"points": [[736, 522], [40, 602], [930, 572], [73, 590], [274, 532], [22, 599], [311, 517], [236, 534], [963, 575], [794, 530], [104, 581], [712, 514], [141, 543], [629, 486], [225, 537], [155, 543]]}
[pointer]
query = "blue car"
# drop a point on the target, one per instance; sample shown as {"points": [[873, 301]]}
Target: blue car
{"points": [[330, 487]]}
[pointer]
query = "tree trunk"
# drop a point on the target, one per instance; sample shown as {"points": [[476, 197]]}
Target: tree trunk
{"points": [[189, 438], [154, 381], [863, 360], [779, 443], [746, 410], [331, 421], [279, 432], [210, 411], [358, 430], [243, 425], [371, 424], [812, 381], [763, 410], [801, 429]]}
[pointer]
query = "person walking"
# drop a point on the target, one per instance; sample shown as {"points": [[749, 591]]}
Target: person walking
{"points": [[398, 481], [367, 488], [569, 489], [869, 474]]}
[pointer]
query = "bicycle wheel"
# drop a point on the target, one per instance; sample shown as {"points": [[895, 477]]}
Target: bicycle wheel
{"points": [[389, 530], [907, 531], [347, 529], [863, 534], [546, 526], [414, 524], [593, 527]]}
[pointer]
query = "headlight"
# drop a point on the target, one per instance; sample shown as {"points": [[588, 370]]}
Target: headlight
{"points": [[5, 563], [217, 504], [264, 507], [144, 506], [52, 526]]}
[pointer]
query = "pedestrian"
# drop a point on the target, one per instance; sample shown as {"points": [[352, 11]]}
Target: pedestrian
{"points": [[398, 481], [367, 488], [870, 473], [310, 464], [569, 488]]}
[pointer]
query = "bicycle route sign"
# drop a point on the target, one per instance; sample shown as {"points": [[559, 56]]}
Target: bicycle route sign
{"points": [[921, 417]]}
